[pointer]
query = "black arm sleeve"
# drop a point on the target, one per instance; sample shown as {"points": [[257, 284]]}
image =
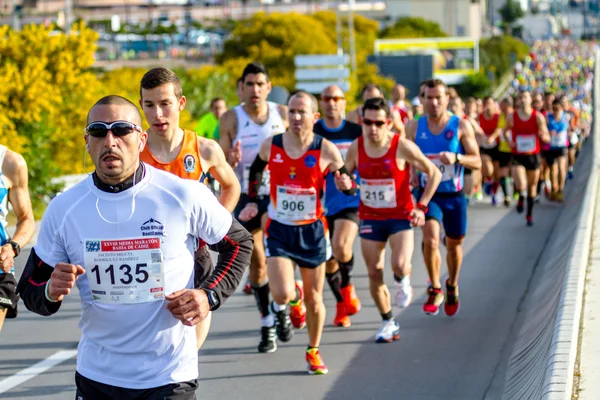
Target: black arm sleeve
{"points": [[234, 257], [255, 176], [32, 286], [352, 191]]}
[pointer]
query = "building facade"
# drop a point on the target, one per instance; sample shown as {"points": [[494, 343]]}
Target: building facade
{"points": [[456, 17]]}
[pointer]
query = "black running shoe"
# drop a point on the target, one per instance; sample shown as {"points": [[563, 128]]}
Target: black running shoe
{"points": [[283, 325], [268, 340], [520, 205]]}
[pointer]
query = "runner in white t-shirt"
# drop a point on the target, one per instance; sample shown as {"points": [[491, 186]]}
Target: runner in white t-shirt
{"points": [[126, 237]]}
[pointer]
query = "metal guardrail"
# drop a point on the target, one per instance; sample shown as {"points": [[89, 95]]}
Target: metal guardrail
{"points": [[542, 362]]}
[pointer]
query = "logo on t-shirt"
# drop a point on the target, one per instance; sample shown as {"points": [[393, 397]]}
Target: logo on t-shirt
{"points": [[277, 158], [92, 246], [292, 172], [449, 134], [152, 227], [189, 162], [310, 161]]}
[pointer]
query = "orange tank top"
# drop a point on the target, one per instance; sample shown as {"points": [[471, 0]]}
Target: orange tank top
{"points": [[187, 164], [296, 184]]}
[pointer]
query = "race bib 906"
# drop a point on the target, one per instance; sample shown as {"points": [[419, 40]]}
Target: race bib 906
{"points": [[296, 204]]}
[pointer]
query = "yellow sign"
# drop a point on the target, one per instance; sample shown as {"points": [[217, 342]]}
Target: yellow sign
{"points": [[452, 57]]}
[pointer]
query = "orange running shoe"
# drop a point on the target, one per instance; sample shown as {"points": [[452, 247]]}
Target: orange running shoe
{"points": [[297, 310], [315, 363], [350, 299], [341, 317]]}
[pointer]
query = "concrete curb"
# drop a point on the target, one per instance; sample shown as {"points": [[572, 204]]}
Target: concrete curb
{"points": [[560, 366]]}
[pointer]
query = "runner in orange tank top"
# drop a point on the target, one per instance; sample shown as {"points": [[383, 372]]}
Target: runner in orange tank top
{"points": [[296, 232], [184, 154]]}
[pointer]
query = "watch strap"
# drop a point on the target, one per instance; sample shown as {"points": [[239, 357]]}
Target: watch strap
{"points": [[15, 246]]}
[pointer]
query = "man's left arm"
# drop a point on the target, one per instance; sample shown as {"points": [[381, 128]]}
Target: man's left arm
{"points": [[15, 169], [471, 159], [214, 161], [235, 250], [212, 223], [543, 132]]}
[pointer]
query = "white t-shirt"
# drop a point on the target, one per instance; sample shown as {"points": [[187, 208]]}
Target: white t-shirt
{"points": [[135, 344], [252, 135]]}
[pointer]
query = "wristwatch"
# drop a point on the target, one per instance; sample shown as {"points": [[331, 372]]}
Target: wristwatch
{"points": [[458, 158], [213, 299], [16, 247], [422, 207]]}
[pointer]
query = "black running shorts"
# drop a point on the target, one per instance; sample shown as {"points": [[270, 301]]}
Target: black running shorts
{"points": [[88, 389], [531, 162], [8, 296]]}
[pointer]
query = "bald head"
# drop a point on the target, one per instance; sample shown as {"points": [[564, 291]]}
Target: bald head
{"points": [[398, 93], [333, 104], [332, 91], [120, 107]]}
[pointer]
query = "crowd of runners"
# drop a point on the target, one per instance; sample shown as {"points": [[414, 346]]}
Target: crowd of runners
{"points": [[295, 185]]}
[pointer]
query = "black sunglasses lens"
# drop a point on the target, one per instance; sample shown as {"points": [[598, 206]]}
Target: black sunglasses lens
{"points": [[121, 129], [379, 123], [97, 130]]}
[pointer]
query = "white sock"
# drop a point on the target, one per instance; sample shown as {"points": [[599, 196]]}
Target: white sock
{"points": [[267, 321], [278, 307]]}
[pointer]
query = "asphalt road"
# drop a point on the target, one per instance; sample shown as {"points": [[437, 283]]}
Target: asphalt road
{"points": [[464, 357]]}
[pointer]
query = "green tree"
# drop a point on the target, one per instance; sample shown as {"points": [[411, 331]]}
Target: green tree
{"points": [[498, 53], [42, 169], [201, 85], [477, 85], [275, 40], [411, 27], [50, 84], [511, 12]]}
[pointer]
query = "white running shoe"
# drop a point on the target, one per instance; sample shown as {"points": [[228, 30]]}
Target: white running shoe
{"points": [[404, 293], [389, 331]]}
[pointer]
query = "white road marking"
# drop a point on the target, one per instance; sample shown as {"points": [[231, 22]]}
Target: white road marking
{"points": [[35, 370]]}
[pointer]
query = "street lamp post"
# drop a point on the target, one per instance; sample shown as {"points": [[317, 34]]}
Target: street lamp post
{"points": [[351, 33]]}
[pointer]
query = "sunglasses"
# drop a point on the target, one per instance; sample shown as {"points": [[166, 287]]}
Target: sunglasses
{"points": [[327, 99], [99, 129], [370, 122]]}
